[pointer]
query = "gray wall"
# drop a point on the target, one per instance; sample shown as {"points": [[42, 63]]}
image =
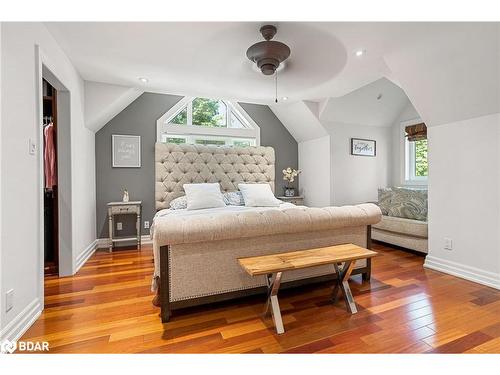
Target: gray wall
{"points": [[139, 118], [273, 133]]}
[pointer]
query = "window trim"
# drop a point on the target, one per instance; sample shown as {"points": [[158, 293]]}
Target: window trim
{"points": [[191, 139], [163, 127], [408, 158]]}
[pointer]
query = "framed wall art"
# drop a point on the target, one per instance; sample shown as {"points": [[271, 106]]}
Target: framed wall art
{"points": [[363, 147], [126, 151]]}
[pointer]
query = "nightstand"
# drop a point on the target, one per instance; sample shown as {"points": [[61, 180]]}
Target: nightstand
{"points": [[298, 200], [124, 208]]}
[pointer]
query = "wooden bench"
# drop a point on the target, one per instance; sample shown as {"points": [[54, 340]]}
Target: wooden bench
{"points": [[342, 257]]}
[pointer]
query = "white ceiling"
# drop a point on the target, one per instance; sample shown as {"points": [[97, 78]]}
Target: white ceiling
{"points": [[362, 106], [209, 58], [105, 101], [456, 77], [301, 120]]}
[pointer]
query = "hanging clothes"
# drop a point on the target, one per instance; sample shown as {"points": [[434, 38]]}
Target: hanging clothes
{"points": [[49, 156]]}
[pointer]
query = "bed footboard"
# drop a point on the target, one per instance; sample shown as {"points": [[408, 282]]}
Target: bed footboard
{"points": [[163, 300]]}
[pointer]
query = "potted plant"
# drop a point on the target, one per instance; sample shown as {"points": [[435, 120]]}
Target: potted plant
{"points": [[289, 175]]}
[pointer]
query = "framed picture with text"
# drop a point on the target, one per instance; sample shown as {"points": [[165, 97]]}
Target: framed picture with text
{"points": [[126, 151], [363, 147]]}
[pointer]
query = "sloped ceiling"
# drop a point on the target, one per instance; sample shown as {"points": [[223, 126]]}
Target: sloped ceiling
{"points": [[449, 71], [376, 104], [209, 58], [104, 101], [301, 120], [456, 77]]}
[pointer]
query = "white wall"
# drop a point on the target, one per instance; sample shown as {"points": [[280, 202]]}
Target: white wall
{"points": [[314, 182], [464, 198], [453, 83], [2, 300], [355, 179], [20, 257]]}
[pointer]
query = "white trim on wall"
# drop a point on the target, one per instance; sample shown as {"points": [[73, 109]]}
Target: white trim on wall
{"points": [[463, 271], [85, 255], [24, 320], [66, 253], [40, 59], [103, 243]]}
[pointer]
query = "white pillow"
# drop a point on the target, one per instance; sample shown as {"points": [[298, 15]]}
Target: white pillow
{"points": [[258, 195], [203, 196]]}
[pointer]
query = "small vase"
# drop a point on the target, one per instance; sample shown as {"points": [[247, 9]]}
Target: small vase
{"points": [[289, 191], [125, 196]]}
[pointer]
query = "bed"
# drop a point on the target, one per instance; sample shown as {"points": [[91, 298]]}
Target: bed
{"points": [[196, 252]]}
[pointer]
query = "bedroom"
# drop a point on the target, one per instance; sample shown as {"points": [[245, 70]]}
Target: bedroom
{"points": [[169, 182]]}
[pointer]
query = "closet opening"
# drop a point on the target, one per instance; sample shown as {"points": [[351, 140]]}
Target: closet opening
{"points": [[50, 188], [56, 254]]}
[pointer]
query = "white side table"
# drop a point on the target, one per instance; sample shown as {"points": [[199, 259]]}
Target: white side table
{"points": [[124, 208]]}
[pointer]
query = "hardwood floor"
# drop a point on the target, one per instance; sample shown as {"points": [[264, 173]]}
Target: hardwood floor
{"points": [[106, 308]]}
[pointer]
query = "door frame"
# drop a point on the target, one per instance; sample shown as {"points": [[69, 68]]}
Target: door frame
{"points": [[44, 71]]}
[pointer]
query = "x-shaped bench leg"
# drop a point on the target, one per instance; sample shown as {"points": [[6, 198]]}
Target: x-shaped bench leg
{"points": [[273, 285], [343, 284]]}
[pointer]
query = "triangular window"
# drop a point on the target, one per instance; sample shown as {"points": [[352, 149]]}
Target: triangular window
{"points": [[209, 122]]}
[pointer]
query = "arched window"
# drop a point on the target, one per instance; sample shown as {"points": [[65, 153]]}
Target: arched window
{"points": [[207, 122]]}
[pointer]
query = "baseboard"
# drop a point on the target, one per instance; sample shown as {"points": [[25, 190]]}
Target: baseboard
{"points": [[474, 274], [85, 255], [103, 243], [24, 320]]}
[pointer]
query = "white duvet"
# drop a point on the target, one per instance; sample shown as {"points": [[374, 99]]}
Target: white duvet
{"points": [[206, 211]]}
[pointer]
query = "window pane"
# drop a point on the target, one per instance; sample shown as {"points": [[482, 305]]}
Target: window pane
{"points": [[180, 118], [242, 143], [176, 140], [208, 112], [210, 142], [235, 122], [421, 158]]}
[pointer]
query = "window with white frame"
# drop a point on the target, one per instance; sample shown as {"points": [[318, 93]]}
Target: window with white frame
{"points": [[416, 166], [208, 122]]}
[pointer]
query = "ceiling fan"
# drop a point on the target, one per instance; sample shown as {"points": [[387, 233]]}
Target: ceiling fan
{"points": [[269, 54]]}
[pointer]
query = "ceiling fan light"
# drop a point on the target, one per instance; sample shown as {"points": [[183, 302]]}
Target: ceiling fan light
{"points": [[268, 69], [268, 66]]}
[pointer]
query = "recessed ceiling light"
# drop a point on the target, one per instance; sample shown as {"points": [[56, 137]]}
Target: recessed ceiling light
{"points": [[143, 79], [360, 52], [285, 98]]}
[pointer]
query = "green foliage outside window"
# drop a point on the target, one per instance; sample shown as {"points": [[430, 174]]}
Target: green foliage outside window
{"points": [[180, 118], [242, 143], [177, 141], [206, 112], [421, 158]]}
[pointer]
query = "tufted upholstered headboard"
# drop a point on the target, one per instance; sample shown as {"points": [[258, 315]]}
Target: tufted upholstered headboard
{"points": [[176, 165]]}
